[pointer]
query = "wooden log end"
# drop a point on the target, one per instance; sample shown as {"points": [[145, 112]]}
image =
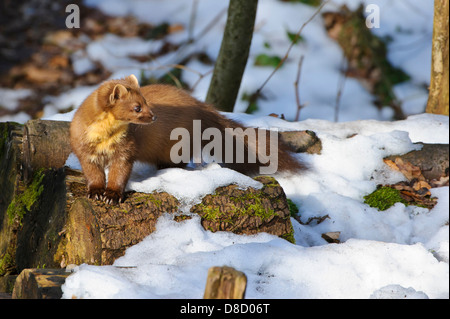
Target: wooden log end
{"points": [[225, 283]]}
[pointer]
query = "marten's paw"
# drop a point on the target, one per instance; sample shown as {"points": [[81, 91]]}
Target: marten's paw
{"points": [[96, 193], [112, 197]]}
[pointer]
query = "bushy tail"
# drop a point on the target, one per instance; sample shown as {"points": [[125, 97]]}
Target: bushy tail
{"points": [[264, 151]]}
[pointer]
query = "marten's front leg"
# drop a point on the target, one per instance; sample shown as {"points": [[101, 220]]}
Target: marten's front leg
{"points": [[95, 179], [119, 172]]}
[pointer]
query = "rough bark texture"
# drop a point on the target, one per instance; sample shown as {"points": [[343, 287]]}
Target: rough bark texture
{"points": [[10, 163], [98, 233], [247, 211], [439, 86], [233, 54]]}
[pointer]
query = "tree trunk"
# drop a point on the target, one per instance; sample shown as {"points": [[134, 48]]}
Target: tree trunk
{"points": [[439, 85], [233, 55]]}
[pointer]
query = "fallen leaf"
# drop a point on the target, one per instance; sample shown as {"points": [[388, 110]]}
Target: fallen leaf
{"points": [[59, 61], [410, 171], [38, 75], [175, 28], [391, 164]]}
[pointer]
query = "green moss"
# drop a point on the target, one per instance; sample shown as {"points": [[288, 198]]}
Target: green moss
{"points": [[383, 198], [289, 236], [212, 213], [23, 203], [6, 262], [253, 207], [293, 209], [3, 137], [155, 201]]}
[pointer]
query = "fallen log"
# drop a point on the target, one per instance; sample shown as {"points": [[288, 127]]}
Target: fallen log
{"points": [[432, 159]]}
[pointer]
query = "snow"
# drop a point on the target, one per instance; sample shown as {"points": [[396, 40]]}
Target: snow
{"points": [[173, 263], [402, 252], [9, 99]]}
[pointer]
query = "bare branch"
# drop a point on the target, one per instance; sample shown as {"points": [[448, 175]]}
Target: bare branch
{"points": [[341, 84], [297, 91]]}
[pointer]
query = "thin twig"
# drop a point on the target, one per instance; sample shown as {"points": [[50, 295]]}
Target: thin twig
{"points": [[201, 75], [341, 84], [296, 86], [170, 74], [185, 68], [192, 20]]}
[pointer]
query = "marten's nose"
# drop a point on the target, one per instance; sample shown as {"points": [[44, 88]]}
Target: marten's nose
{"points": [[152, 116], [146, 116]]}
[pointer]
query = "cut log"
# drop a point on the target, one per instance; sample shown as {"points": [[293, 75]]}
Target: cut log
{"points": [[225, 283], [46, 144], [39, 284]]}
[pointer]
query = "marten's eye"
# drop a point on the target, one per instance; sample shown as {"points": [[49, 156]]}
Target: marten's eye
{"points": [[137, 109]]}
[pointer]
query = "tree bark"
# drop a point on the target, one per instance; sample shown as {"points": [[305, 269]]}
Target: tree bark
{"points": [[439, 83], [233, 55]]}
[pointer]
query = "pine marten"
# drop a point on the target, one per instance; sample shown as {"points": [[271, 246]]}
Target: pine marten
{"points": [[121, 122]]}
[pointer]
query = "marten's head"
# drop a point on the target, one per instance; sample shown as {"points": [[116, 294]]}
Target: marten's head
{"points": [[126, 102]]}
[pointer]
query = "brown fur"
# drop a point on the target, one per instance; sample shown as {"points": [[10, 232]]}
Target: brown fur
{"points": [[107, 131]]}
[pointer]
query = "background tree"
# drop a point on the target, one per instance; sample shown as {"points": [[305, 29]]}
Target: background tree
{"points": [[438, 96], [233, 55]]}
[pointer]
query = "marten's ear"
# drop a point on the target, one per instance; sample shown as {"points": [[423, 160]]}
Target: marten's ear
{"points": [[133, 79], [117, 93]]}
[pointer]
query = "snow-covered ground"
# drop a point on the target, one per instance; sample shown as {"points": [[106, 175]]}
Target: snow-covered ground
{"points": [[403, 251], [400, 252]]}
